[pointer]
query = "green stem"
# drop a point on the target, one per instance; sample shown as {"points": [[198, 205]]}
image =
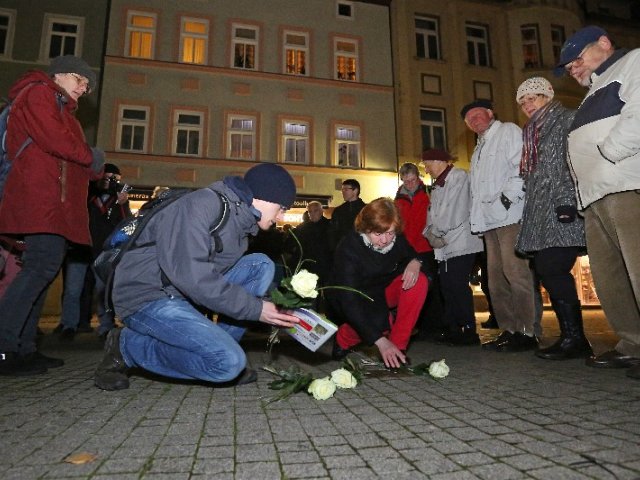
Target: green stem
{"points": [[348, 289]]}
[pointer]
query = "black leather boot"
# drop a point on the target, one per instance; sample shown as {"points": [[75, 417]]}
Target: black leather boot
{"points": [[572, 342], [111, 373]]}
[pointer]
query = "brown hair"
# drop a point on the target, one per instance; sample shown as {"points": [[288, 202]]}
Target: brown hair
{"points": [[378, 217]]}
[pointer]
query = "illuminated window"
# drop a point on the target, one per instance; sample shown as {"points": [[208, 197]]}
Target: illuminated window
{"points": [[7, 25], [295, 141], [530, 46], [133, 125], [557, 40], [296, 52], [141, 32], [346, 59], [187, 133], [347, 146], [433, 129], [194, 35], [241, 137], [63, 37], [244, 46], [427, 37], [478, 51]]}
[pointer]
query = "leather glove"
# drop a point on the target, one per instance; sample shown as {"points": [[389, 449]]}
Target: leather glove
{"points": [[97, 163], [566, 213], [505, 201]]}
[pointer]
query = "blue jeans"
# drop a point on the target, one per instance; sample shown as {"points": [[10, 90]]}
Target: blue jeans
{"points": [[74, 270], [171, 338], [22, 303]]}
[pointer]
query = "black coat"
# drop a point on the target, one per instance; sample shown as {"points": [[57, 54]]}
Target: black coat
{"points": [[358, 266], [314, 238]]}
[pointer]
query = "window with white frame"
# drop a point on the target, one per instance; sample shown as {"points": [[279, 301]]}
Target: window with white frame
{"points": [[187, 133], [7, 24], [194, 36], [478, 49], [296, 52], [557, 41], [63, 36], [344, 9], [432, 128], [241, 136], [295, 141], [133, 125], [244, 46], [347, 146], [346, 59], [141, 33], [530, 46], [427, 37]]}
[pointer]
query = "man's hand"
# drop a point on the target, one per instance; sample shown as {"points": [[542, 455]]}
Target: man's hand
{"points": [[391, 355], [271, 315], [123, 197]]}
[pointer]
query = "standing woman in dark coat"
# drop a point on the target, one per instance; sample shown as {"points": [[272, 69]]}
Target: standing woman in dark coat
{"points": [[377, 260], [552, 233]]}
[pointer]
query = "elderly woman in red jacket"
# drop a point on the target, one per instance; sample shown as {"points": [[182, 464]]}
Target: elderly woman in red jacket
{"points": [[44, 199], [377, 260]]}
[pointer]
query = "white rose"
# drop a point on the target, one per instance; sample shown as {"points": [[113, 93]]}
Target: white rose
{"points": [[438, 369], [322, 388], [304, 284], [343, 378]]}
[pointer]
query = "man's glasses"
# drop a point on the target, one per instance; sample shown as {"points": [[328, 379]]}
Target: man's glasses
{"points": [[579, 60], [82, 82]]}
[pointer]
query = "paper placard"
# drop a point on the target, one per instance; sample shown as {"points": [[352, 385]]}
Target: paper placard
{"points": [[313, 330]]}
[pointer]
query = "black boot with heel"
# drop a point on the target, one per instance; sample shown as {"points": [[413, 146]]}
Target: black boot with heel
{"points": [[572, 342]]}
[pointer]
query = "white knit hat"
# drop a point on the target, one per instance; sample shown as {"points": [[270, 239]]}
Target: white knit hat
{"points": [[535, 86]]}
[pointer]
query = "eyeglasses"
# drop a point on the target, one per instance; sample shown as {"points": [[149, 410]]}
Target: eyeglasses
{"points": [[82, 82], [579, 60], [346, 188], [390, 234]]}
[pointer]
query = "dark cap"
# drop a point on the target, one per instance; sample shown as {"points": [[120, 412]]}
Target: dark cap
{"points": [[73, 64], [436, 154], [480, 103], [111, 168], [272, 183], [575, 44]]}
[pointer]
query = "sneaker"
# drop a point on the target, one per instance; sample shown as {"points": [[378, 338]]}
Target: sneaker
{"points": [[248, 375], [14, 365], [111, 373], [37, 358], [67, 335]]}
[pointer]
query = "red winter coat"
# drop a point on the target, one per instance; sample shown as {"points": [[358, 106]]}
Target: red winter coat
{"points": [[46, 190], [413, 211]]}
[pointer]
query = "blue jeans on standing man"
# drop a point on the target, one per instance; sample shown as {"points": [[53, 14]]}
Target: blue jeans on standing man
{"points": [[171, 338]]}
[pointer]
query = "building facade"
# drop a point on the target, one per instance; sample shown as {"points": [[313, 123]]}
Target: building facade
{"points": [[198, 90]]}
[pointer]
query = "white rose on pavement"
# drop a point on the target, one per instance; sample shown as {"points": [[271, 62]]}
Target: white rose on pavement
{"points": [[304, 283], [322, 388], [438, 369], [343, 378]]}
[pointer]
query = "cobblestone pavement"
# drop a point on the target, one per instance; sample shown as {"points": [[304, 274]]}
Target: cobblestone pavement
{"points": [[497, 416]]}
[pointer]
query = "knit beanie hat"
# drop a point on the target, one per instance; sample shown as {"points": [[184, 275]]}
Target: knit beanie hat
{"points": [[535, 86], [73, 64], [111, 168], [271, 183]]}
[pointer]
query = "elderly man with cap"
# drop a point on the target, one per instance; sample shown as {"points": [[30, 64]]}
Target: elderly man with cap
{"points": [[180, 265], [604, 154], [44, 199], [448, 230], [552, 234], [497, 198]]}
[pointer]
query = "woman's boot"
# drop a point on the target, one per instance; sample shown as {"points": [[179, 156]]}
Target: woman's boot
{"points": [[572, 342]]}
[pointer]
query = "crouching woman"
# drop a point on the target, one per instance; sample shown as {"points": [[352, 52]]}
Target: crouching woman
{"points": [[377, 260]]}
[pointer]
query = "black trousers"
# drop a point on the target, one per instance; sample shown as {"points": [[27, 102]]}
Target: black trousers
{"points": [[456, 292], [553, 267]]}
